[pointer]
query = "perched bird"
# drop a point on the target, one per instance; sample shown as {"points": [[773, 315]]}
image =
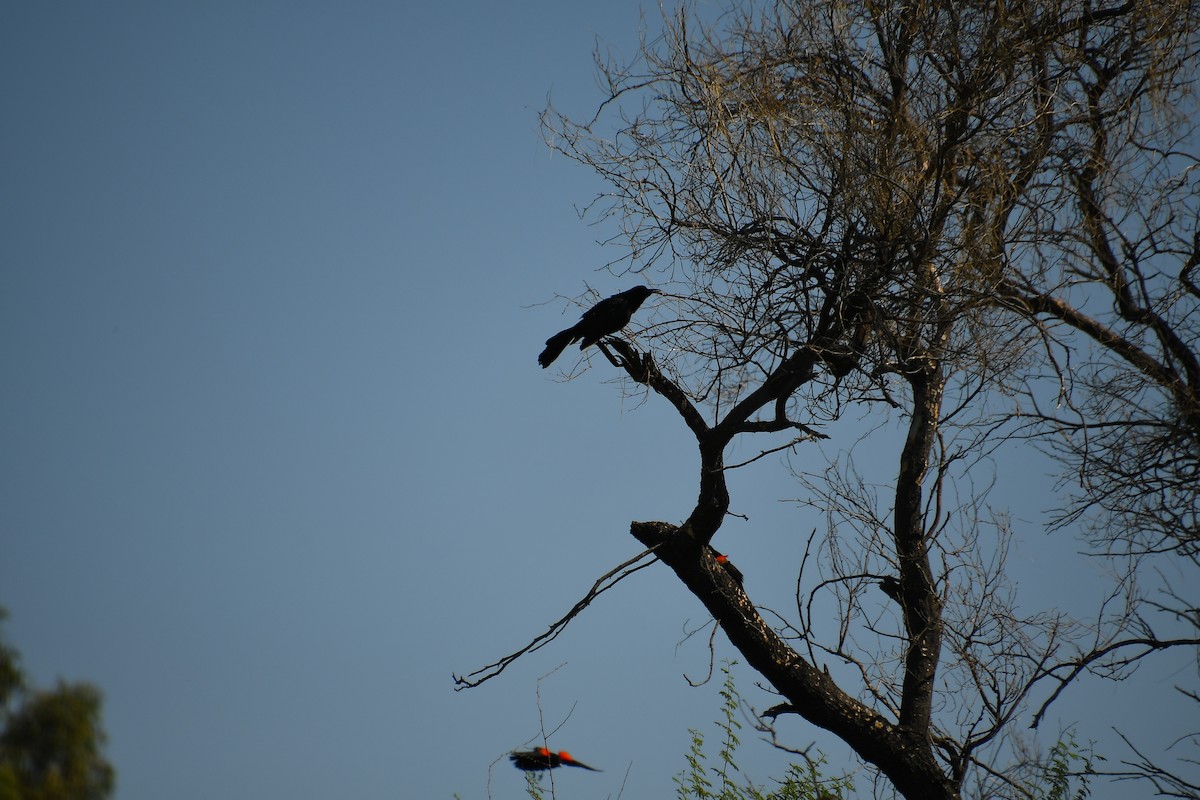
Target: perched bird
{"points": [[603, 319], [891, 587], [733, 571], [541, 758]]}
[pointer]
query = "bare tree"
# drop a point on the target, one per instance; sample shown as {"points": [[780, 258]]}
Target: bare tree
{"points": [[975, 219]]}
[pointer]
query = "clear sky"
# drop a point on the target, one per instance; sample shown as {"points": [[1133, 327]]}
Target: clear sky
{"points": [[276, 457]]}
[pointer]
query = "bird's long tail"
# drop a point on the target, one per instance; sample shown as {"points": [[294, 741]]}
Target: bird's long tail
{"points": [[555, 345]]}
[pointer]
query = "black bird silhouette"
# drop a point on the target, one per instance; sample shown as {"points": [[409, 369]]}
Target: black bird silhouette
{"points": [[541, 758], [891, 587], [603, 319]]}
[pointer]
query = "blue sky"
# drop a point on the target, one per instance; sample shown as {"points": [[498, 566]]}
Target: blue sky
{"points": [[276, 457]]}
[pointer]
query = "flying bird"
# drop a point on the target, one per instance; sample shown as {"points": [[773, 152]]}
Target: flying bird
{"points": [[542, 758], [603, 319]]}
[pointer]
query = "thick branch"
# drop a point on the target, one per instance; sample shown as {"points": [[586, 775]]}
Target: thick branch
{"points": [[713, 501], [641, 368], [811, 693], [919, 597]]}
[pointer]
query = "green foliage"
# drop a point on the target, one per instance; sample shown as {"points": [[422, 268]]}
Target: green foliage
{"points": [[1067, 766], [51, 741], [694, 782], [729, 726], [699, 781], [533, 786]]}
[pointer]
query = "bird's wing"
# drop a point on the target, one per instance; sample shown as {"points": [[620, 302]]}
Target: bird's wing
{"points": [[609, 306], [529, 760]]}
